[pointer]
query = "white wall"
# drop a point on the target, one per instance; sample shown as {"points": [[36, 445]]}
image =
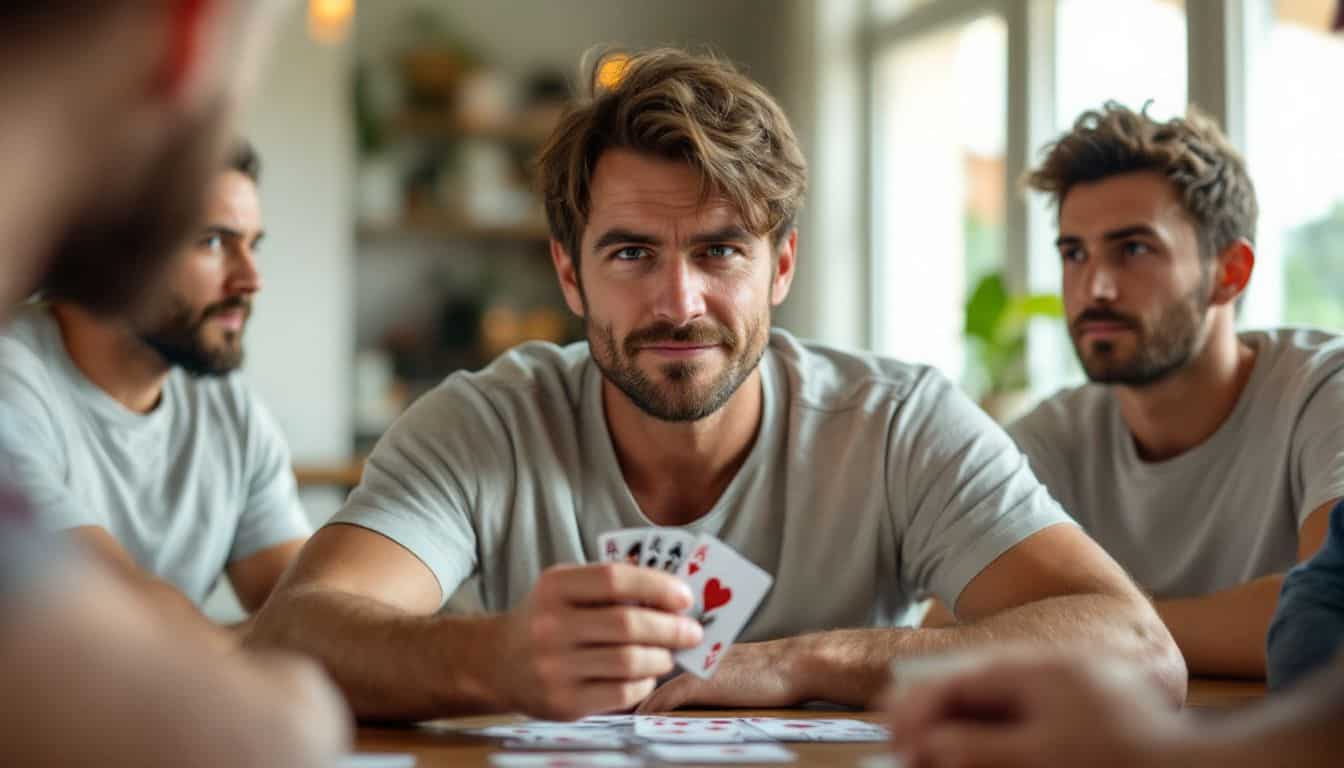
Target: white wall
{"points": [[816, 59], [300, 342]]}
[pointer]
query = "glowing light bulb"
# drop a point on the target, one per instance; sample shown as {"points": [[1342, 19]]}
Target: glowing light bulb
{"points": [[329, 20]]}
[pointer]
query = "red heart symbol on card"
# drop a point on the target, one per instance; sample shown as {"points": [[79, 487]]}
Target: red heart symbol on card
{"points": [[693, 567], [716, 595], [713, 655]]}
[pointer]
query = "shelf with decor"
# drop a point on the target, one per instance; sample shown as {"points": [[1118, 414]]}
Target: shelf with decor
{"points": [[451, 242], [445, 225]]}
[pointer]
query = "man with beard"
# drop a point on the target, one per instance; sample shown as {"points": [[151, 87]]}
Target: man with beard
{"points": [[136, 440], [111, 126], [860, 483], [1204, 460]]}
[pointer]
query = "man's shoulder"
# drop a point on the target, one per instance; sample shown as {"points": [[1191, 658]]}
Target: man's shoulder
{"points": [[26, 353], [1075, 411], [825, 378], [530, 380], [532, 368], [1296, 359]]}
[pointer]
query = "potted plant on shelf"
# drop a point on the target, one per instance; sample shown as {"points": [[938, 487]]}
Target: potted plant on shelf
{"points": [[996, 327]]}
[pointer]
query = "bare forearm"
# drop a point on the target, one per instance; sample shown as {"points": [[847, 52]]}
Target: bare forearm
{"points": [[391, 665], [851, 666], [175, 608], [162, 599], [145, 697], [1223, 634]]}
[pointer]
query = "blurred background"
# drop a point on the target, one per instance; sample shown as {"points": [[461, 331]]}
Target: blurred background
{"points": [[405, 241]]}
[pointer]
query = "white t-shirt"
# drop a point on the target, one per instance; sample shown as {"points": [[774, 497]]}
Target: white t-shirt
{"points": [[201, 481], [871, 483], [1225, 512]]}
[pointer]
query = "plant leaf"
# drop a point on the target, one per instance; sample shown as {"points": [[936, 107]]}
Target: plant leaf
{"points": [[985, 308]]}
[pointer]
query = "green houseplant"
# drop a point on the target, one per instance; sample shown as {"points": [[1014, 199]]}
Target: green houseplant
{"points": [[996, 327]]}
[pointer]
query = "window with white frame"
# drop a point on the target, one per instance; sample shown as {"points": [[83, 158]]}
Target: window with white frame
{"points": [[939, 175], [941, 92], [1295, 153]]}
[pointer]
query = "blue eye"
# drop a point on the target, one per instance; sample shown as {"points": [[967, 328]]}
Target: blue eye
{"points": [[721, 251], [632, 253], [213, 241]]}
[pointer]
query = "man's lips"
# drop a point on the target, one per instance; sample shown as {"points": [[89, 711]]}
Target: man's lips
{"points": [[677, 349], [1103, 328], [230, 319]]}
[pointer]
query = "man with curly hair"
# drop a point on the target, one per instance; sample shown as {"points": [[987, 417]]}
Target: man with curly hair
{"points": [[1205, 460]]}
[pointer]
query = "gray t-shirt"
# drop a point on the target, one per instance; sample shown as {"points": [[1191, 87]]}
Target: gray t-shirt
{"points": [[1225, 512], [201, 481], [22, 561], [871, 483]]}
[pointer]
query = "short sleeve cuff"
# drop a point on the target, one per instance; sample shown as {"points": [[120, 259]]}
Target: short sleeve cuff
{"points": [[450, 568], [974, 559], [283, 524]]}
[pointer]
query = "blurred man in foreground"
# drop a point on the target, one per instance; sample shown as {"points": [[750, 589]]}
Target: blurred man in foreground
{"points": [[1026, 710], [114, 117], [134, 439]]}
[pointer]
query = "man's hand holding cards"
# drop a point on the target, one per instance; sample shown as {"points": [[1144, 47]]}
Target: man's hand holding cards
{"points": [[725, 586], [589, 639]]}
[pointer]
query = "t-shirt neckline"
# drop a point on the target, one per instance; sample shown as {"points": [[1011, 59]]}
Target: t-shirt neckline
{"points": [[595, 427], [1211, 445], [92, 396]]}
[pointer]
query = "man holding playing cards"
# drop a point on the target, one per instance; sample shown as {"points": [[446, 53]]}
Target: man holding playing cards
{"points": [[857, 485]]}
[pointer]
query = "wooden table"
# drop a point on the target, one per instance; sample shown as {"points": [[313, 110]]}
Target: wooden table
{"points": [[1223, 694], [444, 743]]}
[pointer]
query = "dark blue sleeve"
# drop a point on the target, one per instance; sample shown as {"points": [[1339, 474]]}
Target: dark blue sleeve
{"points": [[1308, 627]]}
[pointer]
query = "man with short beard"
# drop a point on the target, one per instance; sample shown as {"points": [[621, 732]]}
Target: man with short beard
{"points": [[860, 483], [135, 438], [114, 116], [1204, 460]]}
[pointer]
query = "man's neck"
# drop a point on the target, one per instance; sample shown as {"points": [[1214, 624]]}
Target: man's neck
{"points": [[1183, 410], [112, 357], [677, 470]]}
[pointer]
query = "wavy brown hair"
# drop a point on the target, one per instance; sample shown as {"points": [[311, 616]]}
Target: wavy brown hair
{"points": [[681, 106], [1191, 152]]}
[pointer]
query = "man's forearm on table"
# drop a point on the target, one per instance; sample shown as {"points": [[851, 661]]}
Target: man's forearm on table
{"points": [[391, 665], [1223, 634], [169, 603], [852, 666]]}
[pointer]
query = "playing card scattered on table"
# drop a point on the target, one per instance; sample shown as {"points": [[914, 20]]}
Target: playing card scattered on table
{"points": [[564, 760], [592, 738], [688, 730], [618, 741], [817, 729], [538, 729], [377, 760], [720, 753], [727, 587]]}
